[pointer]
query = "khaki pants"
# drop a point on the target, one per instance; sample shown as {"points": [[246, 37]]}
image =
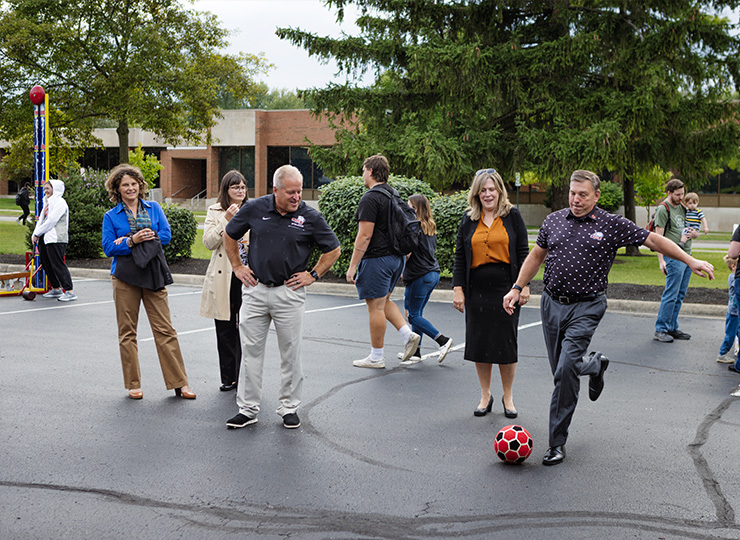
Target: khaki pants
{"points": [[284, 308], [127, 299]]}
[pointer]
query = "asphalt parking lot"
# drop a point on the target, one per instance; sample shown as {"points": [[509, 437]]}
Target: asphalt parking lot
{"points": [[389, 454]]}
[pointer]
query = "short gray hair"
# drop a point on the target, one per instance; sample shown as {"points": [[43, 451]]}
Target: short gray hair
{"points": [[583, 175], [282, 172]]}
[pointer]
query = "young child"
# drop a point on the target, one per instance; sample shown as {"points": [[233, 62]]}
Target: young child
{"points": [[694, 217], [727, 349]]}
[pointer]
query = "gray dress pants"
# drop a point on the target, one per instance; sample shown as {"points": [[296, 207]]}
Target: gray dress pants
{"points": [[568, 330]]}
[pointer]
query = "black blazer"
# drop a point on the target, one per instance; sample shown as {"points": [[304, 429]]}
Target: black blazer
{"points": [[146, 267], [518, 247]]}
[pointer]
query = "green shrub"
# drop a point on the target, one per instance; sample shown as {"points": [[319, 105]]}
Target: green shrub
{"points": [[87, 199], [184, 228], [149, 165], [448, 211], [338, 204], [612, 196]]}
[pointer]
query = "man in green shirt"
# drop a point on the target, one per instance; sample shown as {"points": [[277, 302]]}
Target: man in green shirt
{"points": [[670, 223]]}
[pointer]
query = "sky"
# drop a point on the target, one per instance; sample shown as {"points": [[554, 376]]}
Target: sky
{"points": [[253, 24]]}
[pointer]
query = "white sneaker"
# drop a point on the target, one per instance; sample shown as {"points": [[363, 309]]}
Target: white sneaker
{"points": [[413, 359], [727, 358], [54, 293], [444, 349], [735, 392], [67, 297], [411, 345], [366, 362]]}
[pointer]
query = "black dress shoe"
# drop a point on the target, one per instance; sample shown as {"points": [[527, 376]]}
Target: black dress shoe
{"points": [[554, 455], [509, 413], [677, 334], [596, 382], [227, 387], [483, 412], [731, 367]]}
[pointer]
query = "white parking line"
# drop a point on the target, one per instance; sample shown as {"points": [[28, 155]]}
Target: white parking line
{"points": [[212, 329]]}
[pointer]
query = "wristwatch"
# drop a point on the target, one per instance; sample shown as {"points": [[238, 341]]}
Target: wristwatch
{"points": [[314, 275], [517, 287]]}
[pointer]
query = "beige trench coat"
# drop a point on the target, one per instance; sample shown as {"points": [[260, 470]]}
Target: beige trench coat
{"points": [[214, 302]]}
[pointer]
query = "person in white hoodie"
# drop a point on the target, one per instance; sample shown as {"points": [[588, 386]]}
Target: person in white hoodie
{"points": [[51, 236]]}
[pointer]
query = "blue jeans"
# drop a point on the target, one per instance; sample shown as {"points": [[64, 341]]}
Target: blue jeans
{"points": [[730, 333], [676, 283], [737, 298], [416, 298]]}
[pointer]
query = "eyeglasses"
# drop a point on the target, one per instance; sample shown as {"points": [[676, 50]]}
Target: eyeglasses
{"points": [[238, 187], [485, 171]]}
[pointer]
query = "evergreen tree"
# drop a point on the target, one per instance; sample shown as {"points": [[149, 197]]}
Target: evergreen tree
{"points": [[544, 86]]}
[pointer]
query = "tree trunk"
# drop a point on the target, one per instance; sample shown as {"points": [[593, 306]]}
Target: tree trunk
{"points": [[560, 196], [122, 131], [628, 185]]}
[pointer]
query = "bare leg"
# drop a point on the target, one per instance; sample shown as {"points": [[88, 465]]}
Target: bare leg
{"points": [[484, 378], [376, 313], [393, 314], [507, 382]]}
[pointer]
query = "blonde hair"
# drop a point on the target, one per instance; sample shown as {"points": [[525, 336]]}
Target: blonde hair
{"points": [[420, 203], [474, 206], [730, 261], [691, 197]]}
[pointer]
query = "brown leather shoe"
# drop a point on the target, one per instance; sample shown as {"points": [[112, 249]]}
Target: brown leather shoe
{"points": [[185, 394]]}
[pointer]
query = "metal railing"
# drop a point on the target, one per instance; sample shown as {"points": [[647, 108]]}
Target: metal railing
{"points": [[195, 201]]}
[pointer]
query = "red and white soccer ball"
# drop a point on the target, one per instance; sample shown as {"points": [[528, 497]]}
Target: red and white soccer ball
{"points": [[513, 444]]}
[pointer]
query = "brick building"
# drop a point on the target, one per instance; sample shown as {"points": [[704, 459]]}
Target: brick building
{"points": [[255, 142]]}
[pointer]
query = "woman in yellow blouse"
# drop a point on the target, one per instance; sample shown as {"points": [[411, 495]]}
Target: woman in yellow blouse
{"points": [[491, 246]]}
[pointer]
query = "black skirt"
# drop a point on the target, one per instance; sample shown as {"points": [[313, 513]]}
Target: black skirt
{"points": [[490, 332]]}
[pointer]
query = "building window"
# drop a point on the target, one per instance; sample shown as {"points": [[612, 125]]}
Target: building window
{"points": [[240, 158], [298, 156]]}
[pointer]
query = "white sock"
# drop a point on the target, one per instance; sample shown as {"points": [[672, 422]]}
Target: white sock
{"points": [[405, 332], [376, 355]]}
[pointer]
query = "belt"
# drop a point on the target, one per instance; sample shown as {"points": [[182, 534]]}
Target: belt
{"points": [[562, 299], [272, 284]]}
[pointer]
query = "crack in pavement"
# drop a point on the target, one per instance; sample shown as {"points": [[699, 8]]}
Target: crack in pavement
{"points": [[725, 512], [268, 519]]}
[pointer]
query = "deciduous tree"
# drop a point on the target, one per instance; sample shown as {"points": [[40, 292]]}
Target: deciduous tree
{"points": [[141, 63]]}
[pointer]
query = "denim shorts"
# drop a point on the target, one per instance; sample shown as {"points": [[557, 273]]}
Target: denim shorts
{"points": [[377, 277]]}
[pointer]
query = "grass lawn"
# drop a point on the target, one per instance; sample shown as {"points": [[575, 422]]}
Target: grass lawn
{"points": [[640, 270], [12, 237]]}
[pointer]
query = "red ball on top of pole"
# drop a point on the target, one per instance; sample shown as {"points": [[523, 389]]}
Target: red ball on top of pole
{"points": [[37, 95]]}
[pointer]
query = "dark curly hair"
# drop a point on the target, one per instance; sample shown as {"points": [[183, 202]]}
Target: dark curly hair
{"points": [[113, 182]]}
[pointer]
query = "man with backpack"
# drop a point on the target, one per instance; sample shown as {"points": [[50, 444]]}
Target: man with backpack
{"points": [[669, 222], [376, 266]]}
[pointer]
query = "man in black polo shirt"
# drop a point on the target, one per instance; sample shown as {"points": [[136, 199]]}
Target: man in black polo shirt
{"points": [[578, 246], [283, 231]]}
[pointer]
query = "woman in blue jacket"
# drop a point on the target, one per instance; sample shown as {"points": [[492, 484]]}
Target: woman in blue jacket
{"points": [[133, 229]]}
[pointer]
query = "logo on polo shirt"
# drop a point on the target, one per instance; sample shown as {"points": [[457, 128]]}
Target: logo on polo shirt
{"points": [[598, 235], [297, 221]]}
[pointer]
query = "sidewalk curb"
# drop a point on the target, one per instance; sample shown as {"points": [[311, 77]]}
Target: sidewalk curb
{"points": [[439, 295]]}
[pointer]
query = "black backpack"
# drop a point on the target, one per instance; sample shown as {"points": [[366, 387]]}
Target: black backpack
{"points": [[404, 230]]}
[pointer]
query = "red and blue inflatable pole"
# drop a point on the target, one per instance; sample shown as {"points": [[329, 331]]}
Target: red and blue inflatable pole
{"points": [[40, 99]]}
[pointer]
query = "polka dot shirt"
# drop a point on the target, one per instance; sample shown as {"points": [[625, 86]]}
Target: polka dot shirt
{"points": [[581, 251]]}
